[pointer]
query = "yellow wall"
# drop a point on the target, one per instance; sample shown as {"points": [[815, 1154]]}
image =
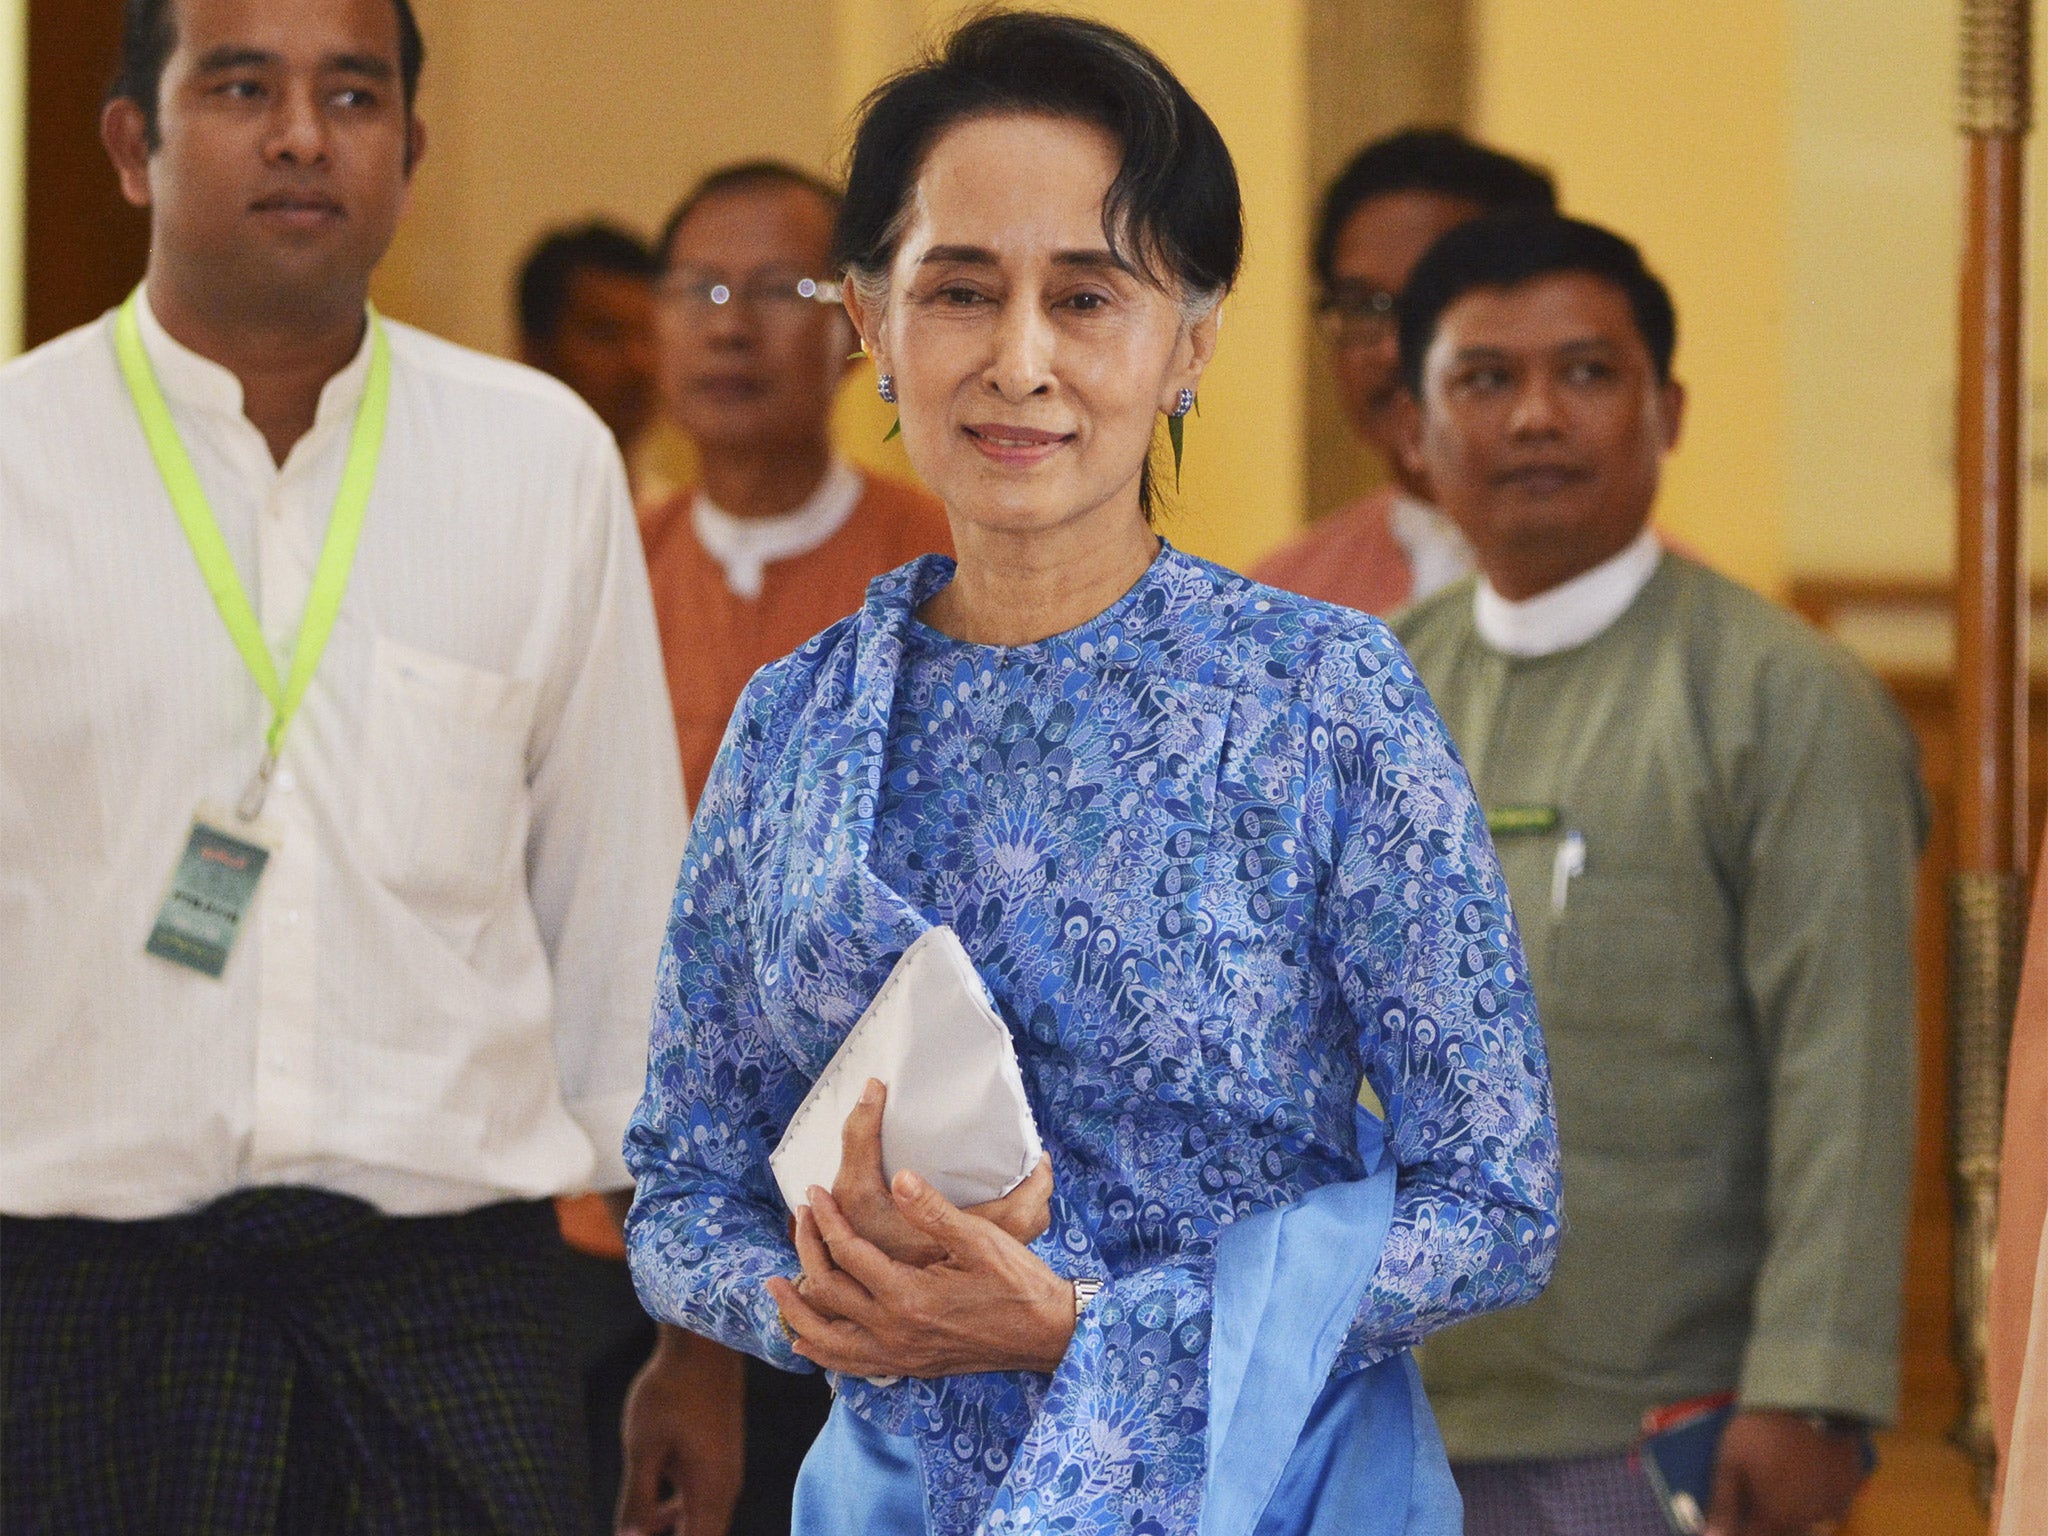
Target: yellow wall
{"points": [[542, 111], [1669, 122], [1793, 170], [1874, 237], [13, 119]]}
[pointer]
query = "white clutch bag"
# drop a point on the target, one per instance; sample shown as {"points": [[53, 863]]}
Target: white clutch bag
{"points": [[956, 1112]]}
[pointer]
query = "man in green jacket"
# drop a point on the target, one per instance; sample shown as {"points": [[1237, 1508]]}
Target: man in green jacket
{"points": [[1709, 817]]}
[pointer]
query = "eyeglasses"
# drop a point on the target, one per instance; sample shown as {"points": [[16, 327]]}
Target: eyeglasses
{"points": [[774, 295], [1355, 316]]}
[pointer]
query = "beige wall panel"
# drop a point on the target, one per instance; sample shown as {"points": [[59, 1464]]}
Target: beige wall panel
{"points": [[1875, 229], [1875, 238], [540, 111]]}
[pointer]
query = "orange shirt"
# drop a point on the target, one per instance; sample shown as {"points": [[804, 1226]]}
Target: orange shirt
{"points": [[713, 640], [1351, 557]]}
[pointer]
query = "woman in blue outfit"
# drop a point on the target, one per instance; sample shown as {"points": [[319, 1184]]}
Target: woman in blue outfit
{"points": [[1206, 843]]}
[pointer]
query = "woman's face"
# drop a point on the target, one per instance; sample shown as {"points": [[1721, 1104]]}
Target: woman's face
{"points": [[1030, 365]]}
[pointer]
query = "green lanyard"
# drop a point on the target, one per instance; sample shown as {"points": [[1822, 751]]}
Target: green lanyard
{"points": [[337, 556]]}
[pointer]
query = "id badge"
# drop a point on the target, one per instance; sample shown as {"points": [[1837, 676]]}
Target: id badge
{"points": [[212, 890]]}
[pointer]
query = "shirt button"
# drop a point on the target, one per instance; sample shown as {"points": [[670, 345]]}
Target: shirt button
{"points": [[286, 781], [291, 917]]}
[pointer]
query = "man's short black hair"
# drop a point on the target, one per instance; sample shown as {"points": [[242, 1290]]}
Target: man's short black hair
{"points": [[745, 176], [1508, 250], [550, 269], [149, 34], [1440, 160]]}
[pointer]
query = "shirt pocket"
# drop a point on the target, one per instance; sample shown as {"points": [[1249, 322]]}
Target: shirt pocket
{"points": [[1634, 991], [444, 811], [1623, 947]]}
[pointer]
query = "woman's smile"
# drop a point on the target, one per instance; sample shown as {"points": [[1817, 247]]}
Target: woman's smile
{"points": [[1020, 447]]}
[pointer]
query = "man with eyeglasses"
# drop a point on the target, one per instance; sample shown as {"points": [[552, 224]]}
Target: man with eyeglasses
{"points": [[781, 535], [778, 540], [1395, 199]]}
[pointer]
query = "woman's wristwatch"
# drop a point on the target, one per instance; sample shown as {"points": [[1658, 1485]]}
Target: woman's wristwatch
{"points": [[1085, 1289]]}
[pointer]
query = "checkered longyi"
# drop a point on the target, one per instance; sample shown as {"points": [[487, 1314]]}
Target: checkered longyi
{"points": [[287, 1360], [1581, 1496]]}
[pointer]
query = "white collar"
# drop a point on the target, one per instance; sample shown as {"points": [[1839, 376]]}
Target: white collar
{"points": [[746, 546], [1437, 552], [1572, 613], [193, 380]]}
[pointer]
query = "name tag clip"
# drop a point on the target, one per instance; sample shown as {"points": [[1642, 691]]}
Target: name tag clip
{"points": [[250, 806]]}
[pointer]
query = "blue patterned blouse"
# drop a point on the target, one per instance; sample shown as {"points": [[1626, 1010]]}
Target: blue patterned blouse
{"points": [[1218, 864]]}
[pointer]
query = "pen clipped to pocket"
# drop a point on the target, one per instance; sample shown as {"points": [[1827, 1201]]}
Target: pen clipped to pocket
{"points": [[1567, 866]]}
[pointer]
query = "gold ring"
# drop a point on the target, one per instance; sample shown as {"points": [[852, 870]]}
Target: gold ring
{"points": [[787, 1331]]}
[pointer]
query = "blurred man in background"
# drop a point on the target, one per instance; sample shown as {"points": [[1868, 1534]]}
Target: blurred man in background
{"points": [[781, 535], [1390, 204], [586, 316], [777, 541]]}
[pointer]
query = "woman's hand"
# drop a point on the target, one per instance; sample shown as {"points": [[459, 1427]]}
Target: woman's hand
{"points": [[863, 1194], [987, 1303]]}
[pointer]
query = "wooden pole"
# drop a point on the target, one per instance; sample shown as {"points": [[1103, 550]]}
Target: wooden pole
{"points": [[1986, 898]]}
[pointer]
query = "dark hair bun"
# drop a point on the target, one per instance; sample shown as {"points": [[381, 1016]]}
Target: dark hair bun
{"points": [[1173, 211]]}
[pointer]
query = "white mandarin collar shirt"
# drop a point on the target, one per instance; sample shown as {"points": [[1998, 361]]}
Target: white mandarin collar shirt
{"points": [[1572, 613], [440, 996], [205, 385], [745, 547]]}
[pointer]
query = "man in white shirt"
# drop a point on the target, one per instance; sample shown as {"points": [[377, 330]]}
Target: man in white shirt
{"points": [[273, 1194], [1708, 816]]}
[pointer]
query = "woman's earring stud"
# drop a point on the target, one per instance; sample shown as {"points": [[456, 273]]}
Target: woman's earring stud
{"points": [[885, 386], [1185, 403]]}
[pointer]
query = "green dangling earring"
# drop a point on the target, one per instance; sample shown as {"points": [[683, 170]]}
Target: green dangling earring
{"points": [[1176, 427], [885, 386]]}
